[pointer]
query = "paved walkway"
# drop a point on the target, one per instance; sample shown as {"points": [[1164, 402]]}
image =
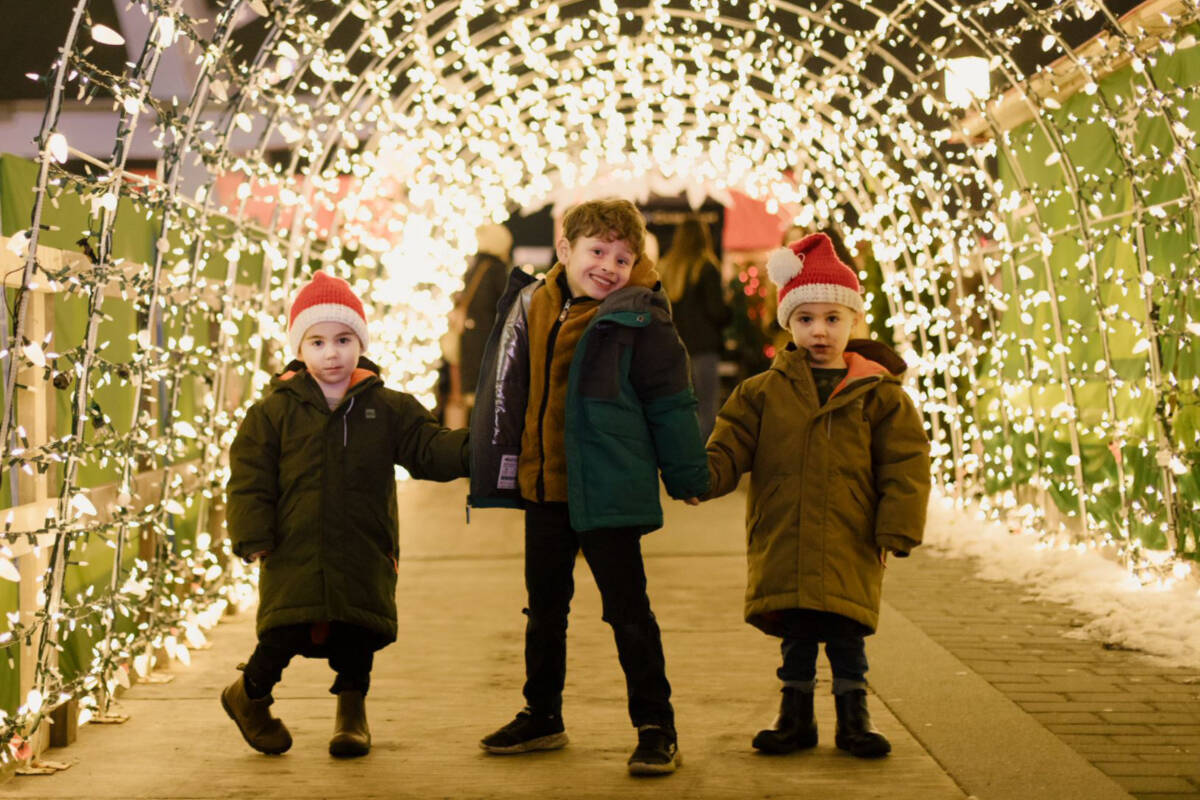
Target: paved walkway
{"points": [[977, 691], [1135, 720]]}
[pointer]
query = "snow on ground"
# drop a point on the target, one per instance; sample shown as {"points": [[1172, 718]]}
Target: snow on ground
{"points": [[1162, 620]]}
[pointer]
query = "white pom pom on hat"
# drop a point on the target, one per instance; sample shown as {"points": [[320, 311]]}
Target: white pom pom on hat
{"points": [[809, 271]]}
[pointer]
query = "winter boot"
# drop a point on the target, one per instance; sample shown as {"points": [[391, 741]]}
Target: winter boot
{"points": [[657, 752], [529, 731], [263, 732], [795, 728], [854, 731], [351, 736]]}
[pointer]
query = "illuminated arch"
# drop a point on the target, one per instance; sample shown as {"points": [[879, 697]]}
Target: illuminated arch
{"points": [[382, 131]]}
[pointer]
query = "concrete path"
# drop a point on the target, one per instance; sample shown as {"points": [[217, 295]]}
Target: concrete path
{"points": [[455, 674]]}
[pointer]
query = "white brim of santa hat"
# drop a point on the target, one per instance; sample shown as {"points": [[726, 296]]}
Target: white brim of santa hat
{"points": [[326, 312], [817, 293]]}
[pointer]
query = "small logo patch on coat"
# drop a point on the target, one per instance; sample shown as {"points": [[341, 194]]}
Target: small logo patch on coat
{"points": [[370, 413]]}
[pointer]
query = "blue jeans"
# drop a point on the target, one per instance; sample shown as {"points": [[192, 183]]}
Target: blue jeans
{"points": [[847, 658], [615, 558]]}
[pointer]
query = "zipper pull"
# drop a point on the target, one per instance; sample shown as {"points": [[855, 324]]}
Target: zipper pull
{"points": [[562, 316]]}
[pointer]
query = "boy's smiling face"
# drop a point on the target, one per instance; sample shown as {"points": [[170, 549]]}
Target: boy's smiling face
{"points": [[596, 266], [823, 329], [330, 351]]}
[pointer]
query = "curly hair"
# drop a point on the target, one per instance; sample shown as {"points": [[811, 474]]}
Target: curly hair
{"points": [[610, 220]]}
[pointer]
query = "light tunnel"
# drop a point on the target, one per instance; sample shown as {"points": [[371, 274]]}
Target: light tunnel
{"points": [[1030, 245]]}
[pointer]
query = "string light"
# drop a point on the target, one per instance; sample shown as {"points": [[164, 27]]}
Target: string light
{"points": [[1036, 249]]}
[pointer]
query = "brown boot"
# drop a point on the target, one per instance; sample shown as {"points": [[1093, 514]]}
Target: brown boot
{"points": [[351, 736], [263, 732]]}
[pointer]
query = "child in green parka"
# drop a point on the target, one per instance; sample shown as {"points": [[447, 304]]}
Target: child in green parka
{"points": [[839, 478], [312, 497], [584, 398]]}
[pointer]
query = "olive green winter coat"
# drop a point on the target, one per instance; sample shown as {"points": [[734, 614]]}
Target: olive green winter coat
{"points": [[830, 486], [316, 489]]}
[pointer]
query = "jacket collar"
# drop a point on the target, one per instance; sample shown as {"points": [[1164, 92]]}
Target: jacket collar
{"points": [[867, 362], [295, 378]]}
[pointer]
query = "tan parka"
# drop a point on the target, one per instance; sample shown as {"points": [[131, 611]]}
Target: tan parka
{"points": [[830, 486]]}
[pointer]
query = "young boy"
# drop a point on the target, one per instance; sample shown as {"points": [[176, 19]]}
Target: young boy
{"points": [[583, 398], [312, 494], [839, 477]]}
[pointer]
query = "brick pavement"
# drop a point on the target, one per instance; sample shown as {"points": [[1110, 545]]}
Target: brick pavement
{"points": [[1136, 720]]}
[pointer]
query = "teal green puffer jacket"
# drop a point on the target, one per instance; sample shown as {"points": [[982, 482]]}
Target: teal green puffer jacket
{"points": [[630, 412]]}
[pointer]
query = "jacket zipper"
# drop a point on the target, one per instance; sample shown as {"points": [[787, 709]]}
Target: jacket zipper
{"points": [[550, 339], [346, 425]]}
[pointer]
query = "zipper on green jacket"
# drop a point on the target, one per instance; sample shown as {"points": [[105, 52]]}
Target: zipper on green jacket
{"points": [[550, 339]]}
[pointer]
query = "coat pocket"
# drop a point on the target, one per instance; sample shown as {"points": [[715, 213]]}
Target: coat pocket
{"points": [[865, 503], [762, 513]]}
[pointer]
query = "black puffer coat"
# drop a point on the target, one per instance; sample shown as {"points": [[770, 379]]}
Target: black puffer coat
{"points": [[317, 489]]}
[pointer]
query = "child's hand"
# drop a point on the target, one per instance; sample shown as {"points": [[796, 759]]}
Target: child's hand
{"points": [[883, 556], [692, 501]]}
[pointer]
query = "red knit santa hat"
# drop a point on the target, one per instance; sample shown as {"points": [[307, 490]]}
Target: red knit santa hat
{"points": [[809, 271], [325, 299]]}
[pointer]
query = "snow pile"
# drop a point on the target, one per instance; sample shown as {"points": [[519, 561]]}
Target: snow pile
{"points": [[1161, 620]]}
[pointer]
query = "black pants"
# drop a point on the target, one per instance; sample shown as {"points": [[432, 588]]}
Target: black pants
{"points": [[615, 558], [349, 648]]}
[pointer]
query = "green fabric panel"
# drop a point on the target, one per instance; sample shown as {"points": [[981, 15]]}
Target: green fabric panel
{"points": [[114, 396], [184, 525], [5, 477], [1169, 242], [217, 245], [68, 212], [10, 656], [91, 565], [69, 215], [192, 388]]}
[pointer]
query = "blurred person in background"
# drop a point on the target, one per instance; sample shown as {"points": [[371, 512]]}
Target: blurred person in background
{"points": [[472, 318], [692, 281]]}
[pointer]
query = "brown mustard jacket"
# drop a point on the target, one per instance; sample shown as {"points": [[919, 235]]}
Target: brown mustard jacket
{"points": [[542, 467], [829, 485]]}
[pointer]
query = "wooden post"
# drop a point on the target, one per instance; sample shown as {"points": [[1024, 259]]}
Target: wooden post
{"points": [[64, 723]]}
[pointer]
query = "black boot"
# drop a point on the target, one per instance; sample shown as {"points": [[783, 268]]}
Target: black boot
{"points": [[854, 731], [351, 736], [795, 728]]}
